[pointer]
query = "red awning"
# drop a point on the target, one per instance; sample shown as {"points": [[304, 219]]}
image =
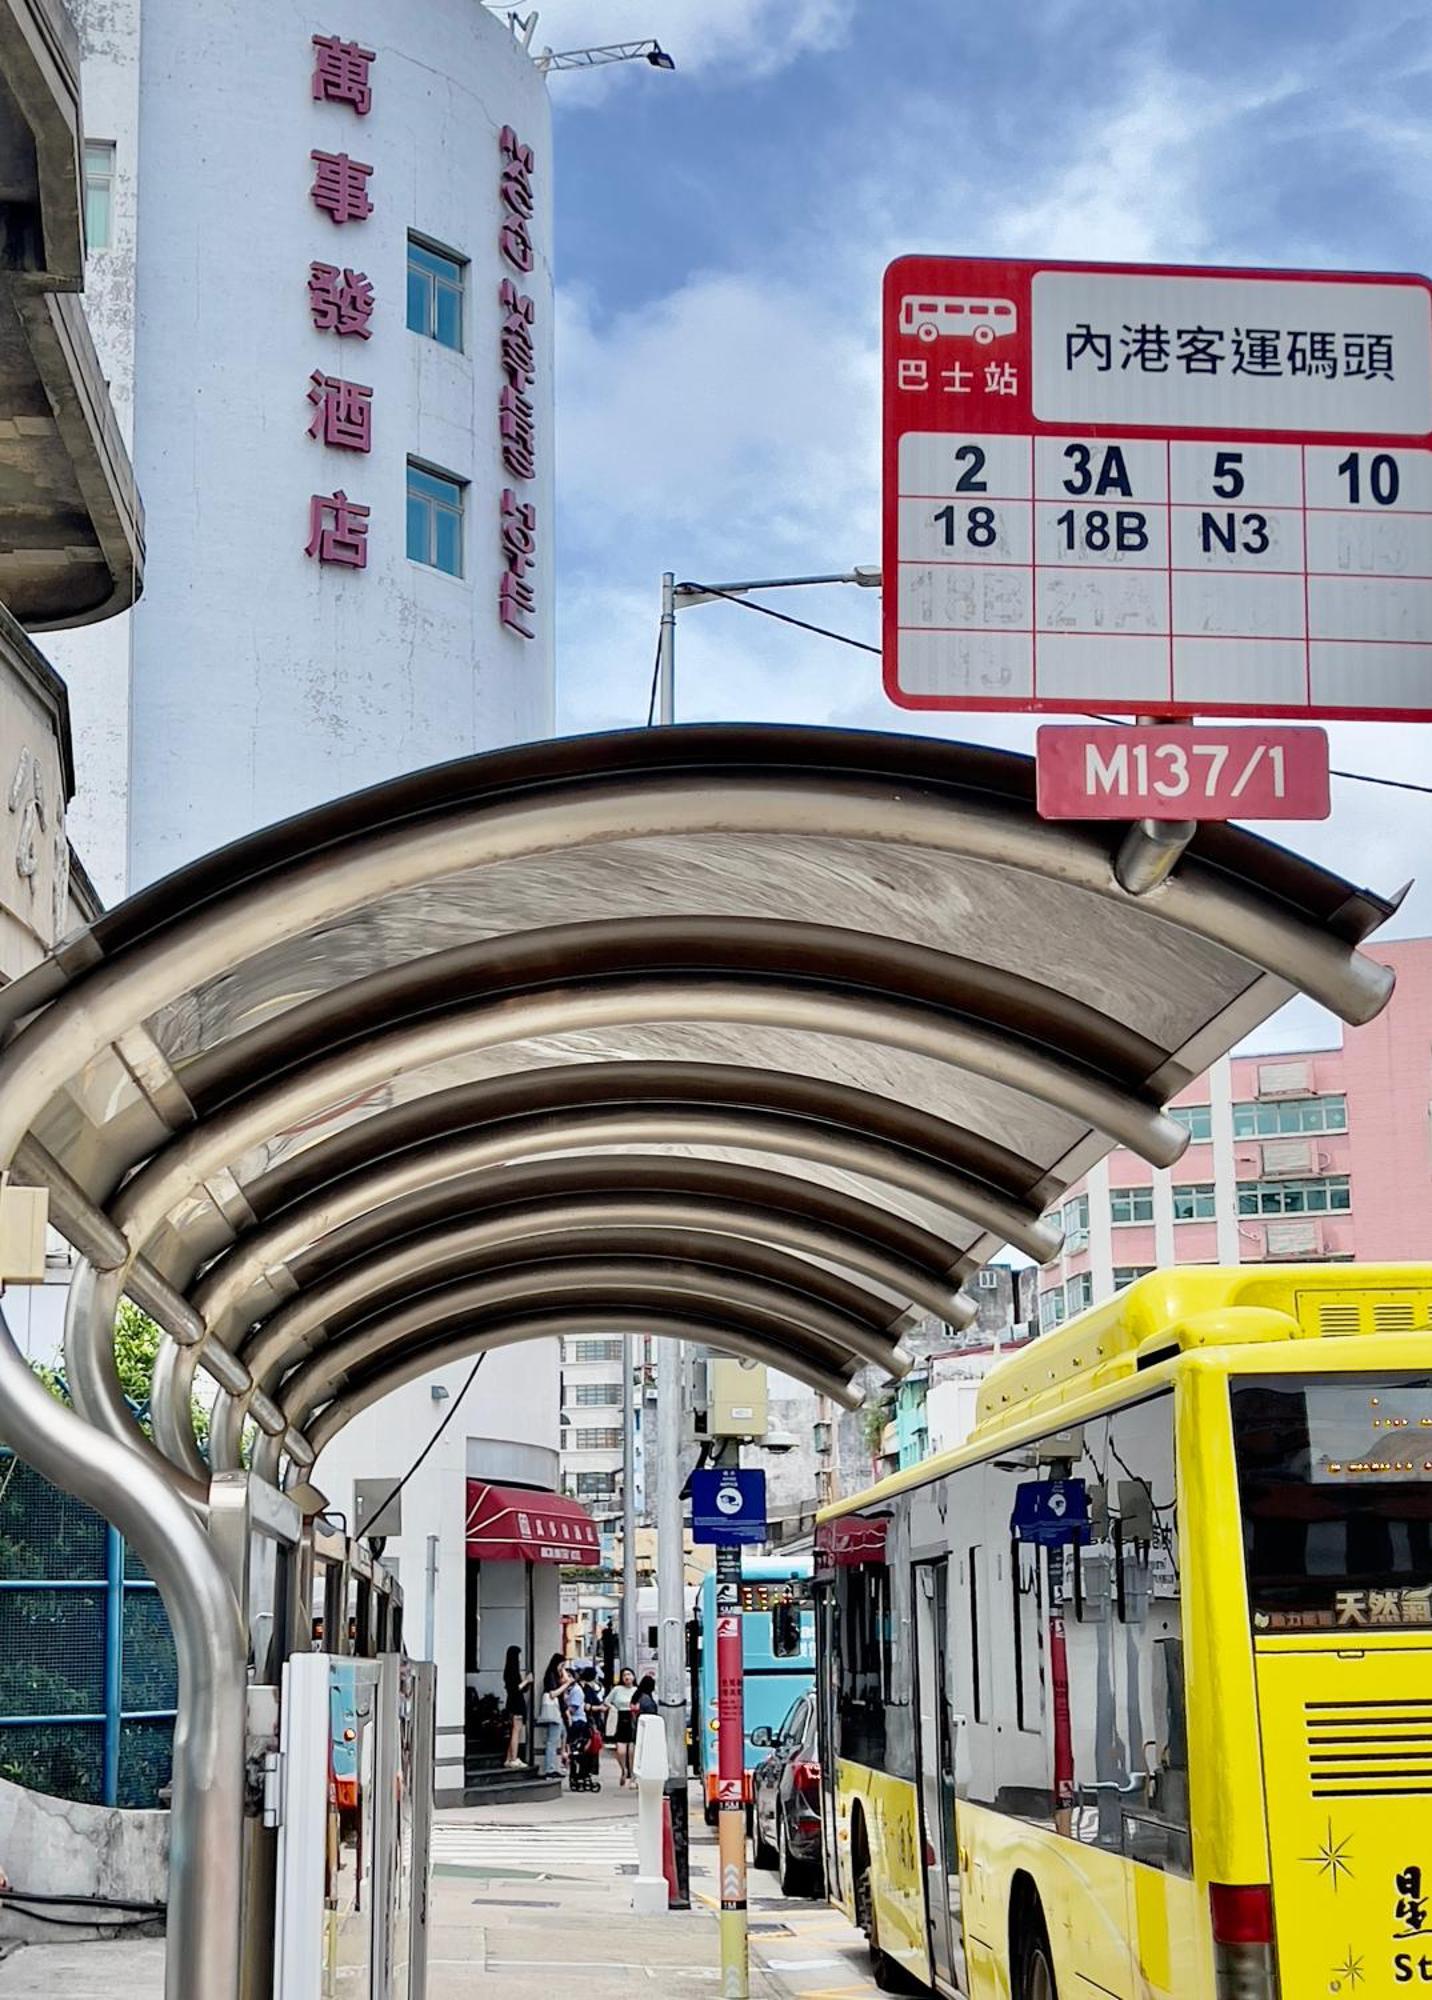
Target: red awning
{"points": [[516, 1524]]}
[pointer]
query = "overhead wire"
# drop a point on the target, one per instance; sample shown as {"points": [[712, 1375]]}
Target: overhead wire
{"points": [[863, 646], [448, 1415]]}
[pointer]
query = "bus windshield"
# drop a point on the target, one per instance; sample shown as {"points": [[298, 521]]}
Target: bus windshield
{"points": [[1335, 1483]]}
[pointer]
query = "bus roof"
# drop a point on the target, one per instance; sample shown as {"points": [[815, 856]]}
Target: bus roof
{"points": [[1166, 1314], [770, 1569]]}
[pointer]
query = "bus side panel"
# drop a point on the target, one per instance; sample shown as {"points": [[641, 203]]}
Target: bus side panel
{"points": [[890, 1809], [1083, 1891]]}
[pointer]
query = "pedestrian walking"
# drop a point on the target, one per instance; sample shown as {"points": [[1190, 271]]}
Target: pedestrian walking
{"points": [[516, 1684], [555, 1682], [620, 1701], [646, 1703]]}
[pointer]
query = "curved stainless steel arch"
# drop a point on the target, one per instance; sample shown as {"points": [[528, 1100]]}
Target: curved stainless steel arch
{"points": [[372, 1387], [731, 961], [622, 1220]]}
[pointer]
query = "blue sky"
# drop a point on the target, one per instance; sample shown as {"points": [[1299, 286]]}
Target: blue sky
{"points": [[720, 238]]}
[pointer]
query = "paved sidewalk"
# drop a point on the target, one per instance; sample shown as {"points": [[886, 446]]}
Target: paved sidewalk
{"points": [[532, 1900]]}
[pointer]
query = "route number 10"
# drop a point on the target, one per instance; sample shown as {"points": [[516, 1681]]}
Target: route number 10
{"points": [[1382, 478]]}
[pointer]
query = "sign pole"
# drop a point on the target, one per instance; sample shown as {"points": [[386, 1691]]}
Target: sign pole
{"points": [[731, 1776], [728, 1509]]}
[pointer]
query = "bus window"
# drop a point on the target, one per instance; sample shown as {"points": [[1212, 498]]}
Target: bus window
{"points": [[1028, 1648], [785, 1631], [1124, 1646], [977, 1689], [863, 1597], [1335, 1483]]}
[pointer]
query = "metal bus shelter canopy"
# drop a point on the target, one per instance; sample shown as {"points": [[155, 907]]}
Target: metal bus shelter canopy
{"points": [[785, 1030], [760, 1037]]}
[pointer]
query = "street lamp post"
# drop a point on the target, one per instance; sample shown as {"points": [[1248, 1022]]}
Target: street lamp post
{"points": [[686, 596], [667, 1510]]}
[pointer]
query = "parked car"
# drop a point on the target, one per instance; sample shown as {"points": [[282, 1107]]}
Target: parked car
{"points": [[785, 1801]]}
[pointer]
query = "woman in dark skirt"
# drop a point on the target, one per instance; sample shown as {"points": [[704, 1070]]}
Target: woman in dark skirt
{"points": [[516, 1684], [620, 1702]]}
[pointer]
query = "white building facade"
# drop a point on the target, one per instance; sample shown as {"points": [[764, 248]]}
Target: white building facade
{"points": [[303, 219], [319, 277]]}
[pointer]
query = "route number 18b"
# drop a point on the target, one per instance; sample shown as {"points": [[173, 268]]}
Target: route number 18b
{"points": [[1098, 528]]}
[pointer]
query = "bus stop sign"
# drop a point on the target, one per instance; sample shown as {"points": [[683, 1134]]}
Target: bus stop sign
{"points": [[728, 1508], [1157, 490]]}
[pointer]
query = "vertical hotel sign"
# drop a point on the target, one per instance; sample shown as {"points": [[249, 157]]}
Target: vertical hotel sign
{"points": [[516, 414], [340, 303]]}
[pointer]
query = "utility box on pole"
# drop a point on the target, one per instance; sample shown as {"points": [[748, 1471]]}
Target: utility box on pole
{"points": [[738, 1395]]}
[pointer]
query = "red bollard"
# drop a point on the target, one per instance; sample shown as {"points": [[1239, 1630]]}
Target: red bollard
{"points": [[668, 1855]]}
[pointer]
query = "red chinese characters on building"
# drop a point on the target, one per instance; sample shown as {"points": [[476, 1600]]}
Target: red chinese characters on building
{"points": [[517, 601], [516, 413], [338, 530], [518, 201], [340, 301], [519, 355], [340, 73], [340, 187], [342, 412]]}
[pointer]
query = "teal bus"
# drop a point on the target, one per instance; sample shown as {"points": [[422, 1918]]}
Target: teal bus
{"points": [[778, 1652]]}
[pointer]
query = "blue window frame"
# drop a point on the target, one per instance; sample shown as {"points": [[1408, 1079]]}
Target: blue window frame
{"points": [[436, 282], [435, 510]]}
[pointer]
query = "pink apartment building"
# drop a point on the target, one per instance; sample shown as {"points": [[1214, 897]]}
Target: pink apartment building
{"points": [[1321, 1155]]}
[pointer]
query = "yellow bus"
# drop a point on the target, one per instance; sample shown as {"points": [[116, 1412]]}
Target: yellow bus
{"points": [[1131, 1695]]}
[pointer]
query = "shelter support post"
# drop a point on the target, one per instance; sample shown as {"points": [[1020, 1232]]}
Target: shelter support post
{"points": [[630, 1621], [671, 1575], [206, 1840]]}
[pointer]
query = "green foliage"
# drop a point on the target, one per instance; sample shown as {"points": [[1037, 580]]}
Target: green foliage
{"points": [[136, 1348], [873, 1421]]}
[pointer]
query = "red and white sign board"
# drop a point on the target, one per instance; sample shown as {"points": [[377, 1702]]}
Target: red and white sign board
{"points": [[1158, 490], [1091, 771]]}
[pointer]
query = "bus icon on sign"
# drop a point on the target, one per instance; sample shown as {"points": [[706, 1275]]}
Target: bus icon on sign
{"points": [[981, 320]]}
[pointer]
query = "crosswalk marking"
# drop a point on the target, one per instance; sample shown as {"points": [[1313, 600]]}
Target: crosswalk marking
{"points": [[592, 1844]]}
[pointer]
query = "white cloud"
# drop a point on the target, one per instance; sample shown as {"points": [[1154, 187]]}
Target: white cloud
{"points": [[742, 39], [728, 418]]}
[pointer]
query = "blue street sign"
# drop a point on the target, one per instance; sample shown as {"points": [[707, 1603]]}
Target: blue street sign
{"points": [[728, 1508], [1051, 1512]]}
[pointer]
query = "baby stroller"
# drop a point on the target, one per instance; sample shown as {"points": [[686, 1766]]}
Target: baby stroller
{"points": [[584, 1750]]}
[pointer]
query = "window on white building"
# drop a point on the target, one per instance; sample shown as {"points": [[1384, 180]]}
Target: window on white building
{"points": [[1290, 1116], [588, 1395], [595, 1485], [596, 1440], [1321, 1194], [1076, 1223], [594, 1350], [435, 506], [1195, 1203], [1134, 1204], [1196, 1119], [988, 1280], [1051, 1309], [436, 282], [99, 194]]}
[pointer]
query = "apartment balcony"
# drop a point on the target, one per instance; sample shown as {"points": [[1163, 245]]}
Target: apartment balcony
{"points": [[71, 524]]}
